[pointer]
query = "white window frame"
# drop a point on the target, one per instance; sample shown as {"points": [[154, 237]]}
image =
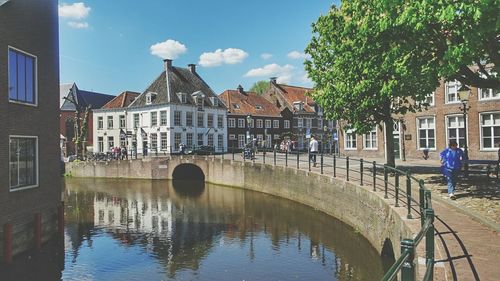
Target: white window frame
{"points": [[177, 118], [457, 129], [491, 95], [137, 121], [241, 141], [189, 118], [163, 141], [241, 123], [260, 123], [286, 124], [210, 120], [372, 135], [447, 93], [300, 122], [163, 118], [37, 163], [268, 124], [350, 140], [427, 138], [483, 148], [100, 122], [123, 123], [231, 123], [154, 118], [276, 124], [110, 121], [220, 142]]}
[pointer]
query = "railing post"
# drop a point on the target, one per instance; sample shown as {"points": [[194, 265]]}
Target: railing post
{"points": [[321, 161], [347, 167], [428, 204], [429, 240], [274, 151], [286, 157], [264, 156], [421, 197], [334, 166], [408, 268], [396, 187], [374, 175], [309, 159], [298, 159], [408, 194], [386, 178], [361, 171], [233, 152]]}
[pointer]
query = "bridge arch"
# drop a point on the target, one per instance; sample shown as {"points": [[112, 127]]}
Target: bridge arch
{"points": [[188, 171]]}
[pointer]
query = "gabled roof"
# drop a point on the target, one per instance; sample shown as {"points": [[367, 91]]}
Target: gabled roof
{"points": [[293, 94], [248, 103], [63, 92], [173, 81], [84, 99], [122, 100]]}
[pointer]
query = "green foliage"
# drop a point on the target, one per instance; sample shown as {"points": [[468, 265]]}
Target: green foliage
{"points": [[260, 87]]}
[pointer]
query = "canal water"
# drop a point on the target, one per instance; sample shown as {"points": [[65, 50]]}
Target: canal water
{"points": [[170, 230]]}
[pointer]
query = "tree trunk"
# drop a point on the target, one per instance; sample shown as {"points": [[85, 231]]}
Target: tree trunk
{"points": [[389, 142]]}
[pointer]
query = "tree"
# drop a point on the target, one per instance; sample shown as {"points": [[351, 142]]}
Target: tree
{"points": [[260, 87], [372, 60], [80, 121]]}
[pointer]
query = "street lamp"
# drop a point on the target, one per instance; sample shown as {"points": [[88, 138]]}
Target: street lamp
{"points": [[463, 94], [249, 119], [325, 134]]}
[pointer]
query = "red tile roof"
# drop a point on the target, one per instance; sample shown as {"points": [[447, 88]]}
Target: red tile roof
{"points": [[293, 93], [248, 103], [122, 100]]}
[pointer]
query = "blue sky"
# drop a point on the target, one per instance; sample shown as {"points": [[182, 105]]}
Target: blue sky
{"points": [[113, 46]]}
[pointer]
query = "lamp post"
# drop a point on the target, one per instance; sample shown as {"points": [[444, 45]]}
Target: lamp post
{"points": [[249, 119], [325, 134], [463, 94]]}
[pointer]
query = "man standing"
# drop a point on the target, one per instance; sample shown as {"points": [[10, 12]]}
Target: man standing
{"points": [[451, 161], [313, 150]]}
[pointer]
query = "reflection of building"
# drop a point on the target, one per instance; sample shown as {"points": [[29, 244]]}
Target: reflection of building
{"points": [[29, 138]]}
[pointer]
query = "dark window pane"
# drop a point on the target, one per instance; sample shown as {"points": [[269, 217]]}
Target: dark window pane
{"points": [[13, 163], [431, 143], [21, 77], [30, 81], [452, 133], [496, 131], [12, 75], [486, 131], [487, 142], [431, 133]]}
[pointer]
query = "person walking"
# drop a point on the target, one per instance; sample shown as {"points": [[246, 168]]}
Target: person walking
{"points": [[313, 150], [451, 163]]}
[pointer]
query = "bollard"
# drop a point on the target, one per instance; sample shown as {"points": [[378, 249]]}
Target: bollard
{"points": [[309, 159], [274, 156], [408, 193], [408, 268], [396, 191], [60, 219], [233, 152], [286, 157], [334, 166], [429, 240], [264, 156], [7, 243], [38, 232], [361, 171], [347, 167], [297, 159], [386, 179], [321, 161], [374, 176]]}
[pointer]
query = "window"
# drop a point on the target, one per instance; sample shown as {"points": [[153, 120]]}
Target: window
{"points": [[236, 106], [426, 133], [154, 118], [22, 77], [200, 139], [231, 122], [154, 141], [286, 124], [241, 123], [220, 121], [252, 123], [163, 141], [455, 129], [430, 99], [182, 97], [258, 107], [150, 97], [189, 139], [100, 144], [23, 164], [215, 101], [452, 92], [177, 140], [220, 142], [297, 105], [210, 140], [260, 138], [189, 119], [320, 124], [308, 122], [268, 123], [276, 124], [199, 103], [136, 120], [163, 118], [201, 119], [370, 139], [488, 94], [210, 120], [100, 123], [300, 123], [110, 122], [111, 143], [122, 121], [241, 141], [490, 130], [269, 140], [177, 118], [350, 140], [259, 123]]}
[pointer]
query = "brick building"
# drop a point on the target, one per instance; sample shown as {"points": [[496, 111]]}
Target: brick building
{"points": [[30, 192], [431, 130], [266, 123]]}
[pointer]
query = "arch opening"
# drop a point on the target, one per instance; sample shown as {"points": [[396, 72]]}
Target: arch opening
{"points": [[387, 254], [188, 172]]}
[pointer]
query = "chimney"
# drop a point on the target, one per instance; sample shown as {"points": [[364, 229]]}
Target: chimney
{"points": [[192, 68], [240, 89], [273, 80], [167, 63]]}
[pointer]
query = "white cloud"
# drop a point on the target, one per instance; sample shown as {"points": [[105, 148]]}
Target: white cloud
{"points": [[296, 55], [76, 11], [78, 25], [219, 57], [284, 73], [169, 49], [266, 56]]}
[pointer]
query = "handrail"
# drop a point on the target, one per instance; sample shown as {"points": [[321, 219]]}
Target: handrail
{"points": [[394, 269]]}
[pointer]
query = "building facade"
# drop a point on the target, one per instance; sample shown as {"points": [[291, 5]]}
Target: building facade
{"points": [[29, 140], [426, 133], [307, 115], [178, 107], [250, 116]]}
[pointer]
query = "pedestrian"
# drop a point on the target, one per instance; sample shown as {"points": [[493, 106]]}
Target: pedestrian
{"points": [[451, 163], [313, 150], [124, 153]]}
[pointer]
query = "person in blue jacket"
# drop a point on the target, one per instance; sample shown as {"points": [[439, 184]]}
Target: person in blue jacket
{"points": [[451, 161]]}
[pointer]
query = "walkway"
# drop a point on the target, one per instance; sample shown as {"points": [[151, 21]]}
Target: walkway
{"points": [[466, 248]]}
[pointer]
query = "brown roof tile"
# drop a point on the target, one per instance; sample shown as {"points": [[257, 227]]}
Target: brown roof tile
{"points": [[122, 100], [248, 103], [294, 93]]}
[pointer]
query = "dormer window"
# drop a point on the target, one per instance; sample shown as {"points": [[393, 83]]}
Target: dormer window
{"points": [[236, 106], [199, 98], [258, 106], [182, 97], [215, 101], [298, 105], [150, 97]]}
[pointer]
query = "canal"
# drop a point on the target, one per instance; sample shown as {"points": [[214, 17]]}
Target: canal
{"points": [[178, 230]]}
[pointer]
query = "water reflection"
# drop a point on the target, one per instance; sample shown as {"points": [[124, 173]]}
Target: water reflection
{"points": [[160, 230]]}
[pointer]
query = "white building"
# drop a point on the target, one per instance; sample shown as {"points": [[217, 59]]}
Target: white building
{"points": [[178, 107]]}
